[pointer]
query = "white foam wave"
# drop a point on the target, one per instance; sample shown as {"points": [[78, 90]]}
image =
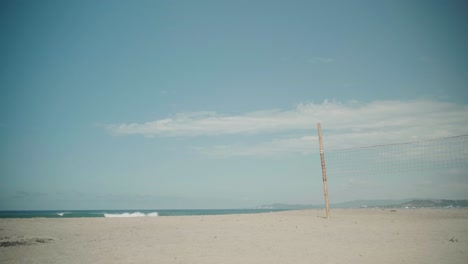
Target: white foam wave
{"points": [[136, 214], [60, 214], [153, 214]]}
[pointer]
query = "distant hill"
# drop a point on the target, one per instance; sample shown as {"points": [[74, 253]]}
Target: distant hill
{"points": [[406, 203], [435, 203]]}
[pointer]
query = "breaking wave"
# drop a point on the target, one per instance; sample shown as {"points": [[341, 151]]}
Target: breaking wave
{"points": [[136, 214]]}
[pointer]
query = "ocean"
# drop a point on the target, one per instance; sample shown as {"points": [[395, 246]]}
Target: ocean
{"points": [[128, 213]]}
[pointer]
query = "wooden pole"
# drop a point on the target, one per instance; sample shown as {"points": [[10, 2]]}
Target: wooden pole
{"points": [[324, 170]]}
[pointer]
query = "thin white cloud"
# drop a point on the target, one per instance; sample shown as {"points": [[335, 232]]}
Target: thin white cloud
{"points": [[211, 123], [345, 125], [278, 147]]}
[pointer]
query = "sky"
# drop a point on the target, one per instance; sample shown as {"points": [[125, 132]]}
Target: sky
{"points": [[214, 104]]}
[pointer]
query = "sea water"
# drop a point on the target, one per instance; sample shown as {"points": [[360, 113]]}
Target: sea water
{"points": [[128, 213]]}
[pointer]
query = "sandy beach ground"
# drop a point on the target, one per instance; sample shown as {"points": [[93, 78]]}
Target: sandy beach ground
{"points": [[350, 236]]}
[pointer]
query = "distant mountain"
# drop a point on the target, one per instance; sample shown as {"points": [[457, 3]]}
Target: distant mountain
{"points": [[435, 203], [406, 203]]}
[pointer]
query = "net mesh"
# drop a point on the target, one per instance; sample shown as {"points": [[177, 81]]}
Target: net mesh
{"points": [[410, 156], [437, 167]]}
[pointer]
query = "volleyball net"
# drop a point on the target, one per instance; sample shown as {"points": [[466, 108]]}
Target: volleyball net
{"points": [[425, 168]]}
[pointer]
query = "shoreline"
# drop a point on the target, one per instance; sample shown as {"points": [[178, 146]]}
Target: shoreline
{"points": [[130, 213], [127, 213]]}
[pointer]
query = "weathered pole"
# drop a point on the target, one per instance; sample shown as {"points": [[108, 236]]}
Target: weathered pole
{"points": [[324, 170]]}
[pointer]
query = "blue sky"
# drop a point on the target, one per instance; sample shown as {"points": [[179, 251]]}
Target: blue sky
{"points": [[214, 104]]}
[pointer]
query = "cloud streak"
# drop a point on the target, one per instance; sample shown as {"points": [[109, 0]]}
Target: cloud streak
{"points": [[211, 123], [345, 125], [278, 147]]}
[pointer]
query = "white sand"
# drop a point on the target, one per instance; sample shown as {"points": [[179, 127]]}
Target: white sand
{"points": [[350, 236]]}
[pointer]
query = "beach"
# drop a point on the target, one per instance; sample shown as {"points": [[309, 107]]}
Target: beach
{"points": [[306, 236]]}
